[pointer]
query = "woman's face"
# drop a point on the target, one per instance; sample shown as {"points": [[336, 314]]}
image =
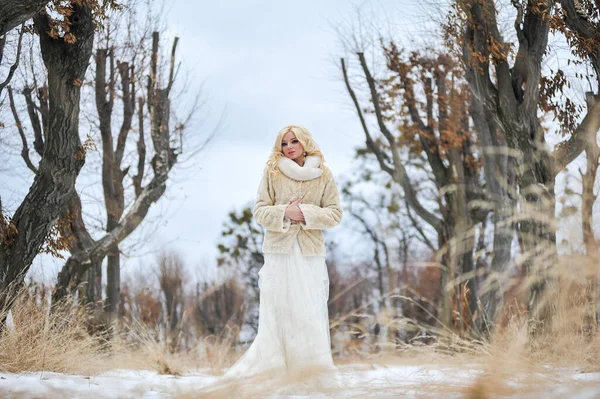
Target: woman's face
{"points": [[291, 146]]}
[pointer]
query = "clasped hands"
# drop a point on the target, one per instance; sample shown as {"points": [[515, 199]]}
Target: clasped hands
{"points": [[294, 212]]}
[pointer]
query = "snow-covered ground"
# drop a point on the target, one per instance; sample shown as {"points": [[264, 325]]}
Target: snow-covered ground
{"points": [[357, 381]]}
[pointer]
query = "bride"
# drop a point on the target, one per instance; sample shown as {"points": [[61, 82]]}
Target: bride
{"points": [[296, 200]]}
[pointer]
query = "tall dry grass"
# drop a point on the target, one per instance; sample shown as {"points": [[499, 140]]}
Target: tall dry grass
{"points": [[136, 347], [38, 340]]}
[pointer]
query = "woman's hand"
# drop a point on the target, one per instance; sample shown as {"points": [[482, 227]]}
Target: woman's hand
{"points": [[294, 212]]}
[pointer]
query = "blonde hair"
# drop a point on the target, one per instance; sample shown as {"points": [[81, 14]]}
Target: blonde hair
{"points": [[305, 138]]}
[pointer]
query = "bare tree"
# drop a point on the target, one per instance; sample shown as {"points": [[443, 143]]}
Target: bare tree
{"points": [[240, 248], [66, 62], [112, 155], [219, 308], [132, 90], [171, 278], [154, 108], [445, 140]]}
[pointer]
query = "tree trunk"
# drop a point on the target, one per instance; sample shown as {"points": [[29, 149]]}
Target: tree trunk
{"points": [[90, 292], [499, 176], [512, 99], [535, 229], [588, 198], [63, 157], [112, 176], [113, 280]]}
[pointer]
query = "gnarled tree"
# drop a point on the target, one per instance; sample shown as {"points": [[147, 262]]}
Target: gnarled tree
{"points": [[509, 89], [66, 60]]}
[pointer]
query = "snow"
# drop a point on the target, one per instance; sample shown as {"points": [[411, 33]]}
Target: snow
{"points": [[357, 381]]}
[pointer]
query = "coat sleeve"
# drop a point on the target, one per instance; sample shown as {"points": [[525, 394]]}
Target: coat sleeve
{"points": [[326, 216], [271, 217]]}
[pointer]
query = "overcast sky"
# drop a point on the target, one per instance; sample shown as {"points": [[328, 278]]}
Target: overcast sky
{"points": [[261, 65]]}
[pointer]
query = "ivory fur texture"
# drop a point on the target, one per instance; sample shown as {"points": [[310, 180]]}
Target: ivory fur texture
{"points": [[320, 206]]}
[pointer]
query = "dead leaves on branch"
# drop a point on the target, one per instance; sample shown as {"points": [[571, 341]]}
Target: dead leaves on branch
{"points": [[8, 230], [60, 238], [60, 14], [552, 101], [476, 19], [430, 84], [88, 145], [583, 33]]}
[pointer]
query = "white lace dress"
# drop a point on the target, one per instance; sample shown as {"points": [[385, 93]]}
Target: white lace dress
{"points": [[293, 328]]}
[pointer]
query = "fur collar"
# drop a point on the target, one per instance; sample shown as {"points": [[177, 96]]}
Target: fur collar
{"points": [[309, 171]]}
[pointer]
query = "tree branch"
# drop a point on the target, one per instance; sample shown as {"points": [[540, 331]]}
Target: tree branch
{"points": [[426, 132], [25, 150], [518, 21], [44, 111], [15, 12], [400, 175], [172, 67], [38, 142], [128, 98], [371, 145], [14, 66], [417, 227], [568, 150], [2, 44], [141, 148], [586, 33], [153, 70]]}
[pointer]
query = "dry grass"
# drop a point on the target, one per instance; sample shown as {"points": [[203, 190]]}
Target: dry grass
{"points": [[40, 341], [138, 348]]}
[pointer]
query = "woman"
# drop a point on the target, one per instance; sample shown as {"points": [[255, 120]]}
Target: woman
{"points": [[297, 198]]}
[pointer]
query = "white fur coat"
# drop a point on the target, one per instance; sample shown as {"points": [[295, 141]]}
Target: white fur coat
{"points": [[320, 206]]}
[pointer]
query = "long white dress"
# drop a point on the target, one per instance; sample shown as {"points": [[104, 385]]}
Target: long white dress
{"points": [[293, 327]]}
